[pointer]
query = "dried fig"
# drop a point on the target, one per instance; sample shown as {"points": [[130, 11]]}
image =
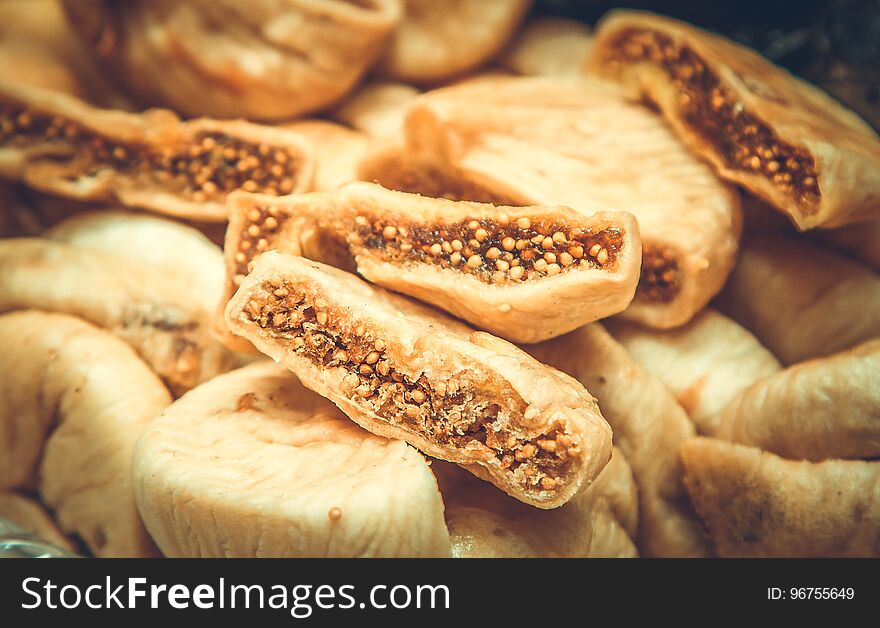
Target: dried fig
{"points": [[402, 370], [74, 402], [152, 311], [59, 144], [485, 523], [649, 428], [523, 273], [252, 464], [541, 141], [757, 504], [263, 59], [802, 300], [823, 408], [705, 364], [437, 40], [781, 138]]}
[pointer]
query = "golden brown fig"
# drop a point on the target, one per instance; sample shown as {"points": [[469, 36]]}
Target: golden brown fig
{"points": [[74, 401], [706, 363], [802, 300], [824, 408], [649, 428], [757, 504], [175, 249], [30, 515], [264, 59], [59, 144], [338, 151], [437, 40], [485, 523], [154, 312], [252, 464], [523, 273], [541, 141], [377, 108], [402, 370], [549, 46], [781, 138]]}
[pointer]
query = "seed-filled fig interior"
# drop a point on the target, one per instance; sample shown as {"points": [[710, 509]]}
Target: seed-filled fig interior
{"points": [[402, 370], [59, 144], [782, 138], [524, 273]]}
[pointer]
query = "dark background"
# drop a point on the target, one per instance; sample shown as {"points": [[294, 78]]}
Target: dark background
{"points": [[833, 43]]}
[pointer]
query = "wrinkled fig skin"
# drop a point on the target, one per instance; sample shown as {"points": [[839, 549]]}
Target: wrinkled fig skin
{"points": [[543, 141], [168, 245], [152, 311], [649, 428], [56, 143], [73, 401], [800, 299], [439, 40], [264, 59], [29, 514], [522, 273], [759, 505], [252, 464], [485, 523], [823, 408], [781, 138], [706, 364], [402, 370]]}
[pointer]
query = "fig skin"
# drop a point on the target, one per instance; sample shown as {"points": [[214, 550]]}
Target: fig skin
{"points": [[252, 464], [265, 60], [154, 312], [75, 399]]}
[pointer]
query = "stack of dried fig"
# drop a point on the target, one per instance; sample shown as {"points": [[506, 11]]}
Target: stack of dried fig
{"points": [[386, 278]]}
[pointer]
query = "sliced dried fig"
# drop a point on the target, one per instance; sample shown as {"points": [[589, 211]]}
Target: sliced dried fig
{"points": [[402, 370], [30, 515], [167, 245], [485, 523], [252, 464], [523, 273], [152, 311], [649, 428], [823, 408], [59, 144], [705, 364], [437, 40], [549, 46], [542, 141], [757, 504], [802, 300], [264, 59], [781, 138], [74, 401]]}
